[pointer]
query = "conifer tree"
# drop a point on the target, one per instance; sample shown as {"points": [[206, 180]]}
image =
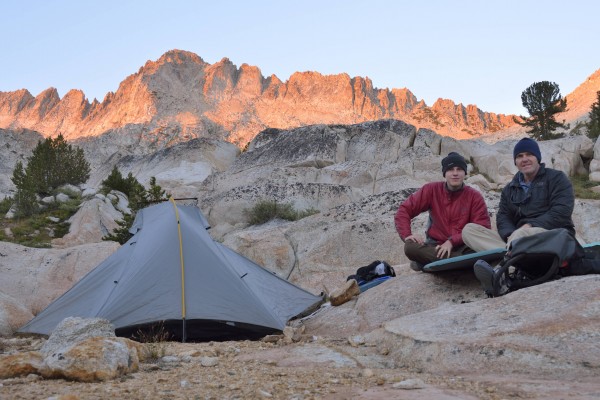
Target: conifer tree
{"points": [[25, 199], [543, 100], [115, 181], [137, 195], [122, 234], [156, 193], [593, 125], [53, 163], [130, 186]]}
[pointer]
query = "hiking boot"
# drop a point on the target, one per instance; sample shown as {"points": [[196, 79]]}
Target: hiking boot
{"points": [[493, 280], [501, 281], [415, 266], [485, 274]]}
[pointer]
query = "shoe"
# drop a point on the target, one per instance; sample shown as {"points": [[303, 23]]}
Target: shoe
{"points": [[494, 281], [485, 274], [415, 266]]}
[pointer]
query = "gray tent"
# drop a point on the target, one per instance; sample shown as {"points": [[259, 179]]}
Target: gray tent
{"points": [[172, 273]]}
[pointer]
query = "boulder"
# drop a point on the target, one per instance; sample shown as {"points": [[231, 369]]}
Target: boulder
{"points": [[325, 248], [408, 293], [84, 350], [595, 163], [35, 277], [119, 200], [94, 219], [74, 330], [13, 315], [505, 334], [95, 359], [87, 350], [20, 364]]}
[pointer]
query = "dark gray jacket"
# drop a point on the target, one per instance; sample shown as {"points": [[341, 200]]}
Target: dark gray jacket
{"points": [[548, 204]]}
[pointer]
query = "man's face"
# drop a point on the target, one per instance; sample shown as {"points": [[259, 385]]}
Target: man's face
{"points": [[455, 177], [527, 164]]}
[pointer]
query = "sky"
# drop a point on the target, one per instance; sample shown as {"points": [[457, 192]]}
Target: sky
{"points": [[482, 52]]}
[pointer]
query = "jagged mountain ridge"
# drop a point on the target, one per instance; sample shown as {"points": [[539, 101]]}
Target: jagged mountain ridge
{"points": [[180, 97]]}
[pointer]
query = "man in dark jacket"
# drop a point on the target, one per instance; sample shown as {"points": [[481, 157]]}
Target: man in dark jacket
{"points": [[537, 199], [451, 205]]}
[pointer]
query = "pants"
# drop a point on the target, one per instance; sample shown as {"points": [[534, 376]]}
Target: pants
{"points": [[479, 238], [426, 253]]}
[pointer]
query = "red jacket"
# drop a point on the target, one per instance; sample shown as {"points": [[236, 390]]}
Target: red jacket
{"points": [[449, 212]]}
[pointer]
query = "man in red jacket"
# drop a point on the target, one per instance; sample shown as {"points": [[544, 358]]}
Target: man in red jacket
{"points": [[451, 205]]}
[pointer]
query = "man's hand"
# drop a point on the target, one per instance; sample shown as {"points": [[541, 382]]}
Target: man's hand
{"points": [[444, 249], [414, 238]]}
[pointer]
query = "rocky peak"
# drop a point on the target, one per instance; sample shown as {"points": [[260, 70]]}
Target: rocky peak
{"points": [[405, 100], [221, 78], [580, 100], [11, 103], [250, 81]]}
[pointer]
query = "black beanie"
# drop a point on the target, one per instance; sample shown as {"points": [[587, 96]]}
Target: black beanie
{"points": [[527, 145], [453, 160]]}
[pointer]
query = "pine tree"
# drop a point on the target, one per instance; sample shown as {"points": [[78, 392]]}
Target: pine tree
{"points": [[39, 166], [122, 234], [137, 195], [156, 193], [593, 125], [543, 100], [25, 200], [53, 163], [134, 190], [114, 181]]}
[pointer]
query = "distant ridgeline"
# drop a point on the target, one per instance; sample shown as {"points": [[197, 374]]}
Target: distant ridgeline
{"points": [[179, 97]]}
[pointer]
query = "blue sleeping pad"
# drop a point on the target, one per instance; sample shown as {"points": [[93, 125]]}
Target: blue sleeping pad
{"points": [[466, 261]]}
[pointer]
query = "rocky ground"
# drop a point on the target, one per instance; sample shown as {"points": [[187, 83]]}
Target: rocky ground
{"points": [[312, 368]]}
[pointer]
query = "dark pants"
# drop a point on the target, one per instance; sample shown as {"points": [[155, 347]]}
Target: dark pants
{"points": [[584, 266], [426, 253]]}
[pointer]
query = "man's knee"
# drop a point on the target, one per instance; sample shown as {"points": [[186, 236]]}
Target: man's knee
{"points": [[411, 249], [524, 232], [470, 232], [472, 228]]}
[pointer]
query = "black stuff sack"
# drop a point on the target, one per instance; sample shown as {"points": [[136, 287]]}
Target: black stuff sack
{"points": [[372, 271]]}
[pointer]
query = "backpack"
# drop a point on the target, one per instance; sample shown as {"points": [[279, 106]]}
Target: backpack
{"points": [[374, 270], [532, 260]]}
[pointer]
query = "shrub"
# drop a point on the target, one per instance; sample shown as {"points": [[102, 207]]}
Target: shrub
{"points": [[155, 339], [5, 205], [266, 210], [69, 192], [582, 187], [38, 230], [70, 206]]}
